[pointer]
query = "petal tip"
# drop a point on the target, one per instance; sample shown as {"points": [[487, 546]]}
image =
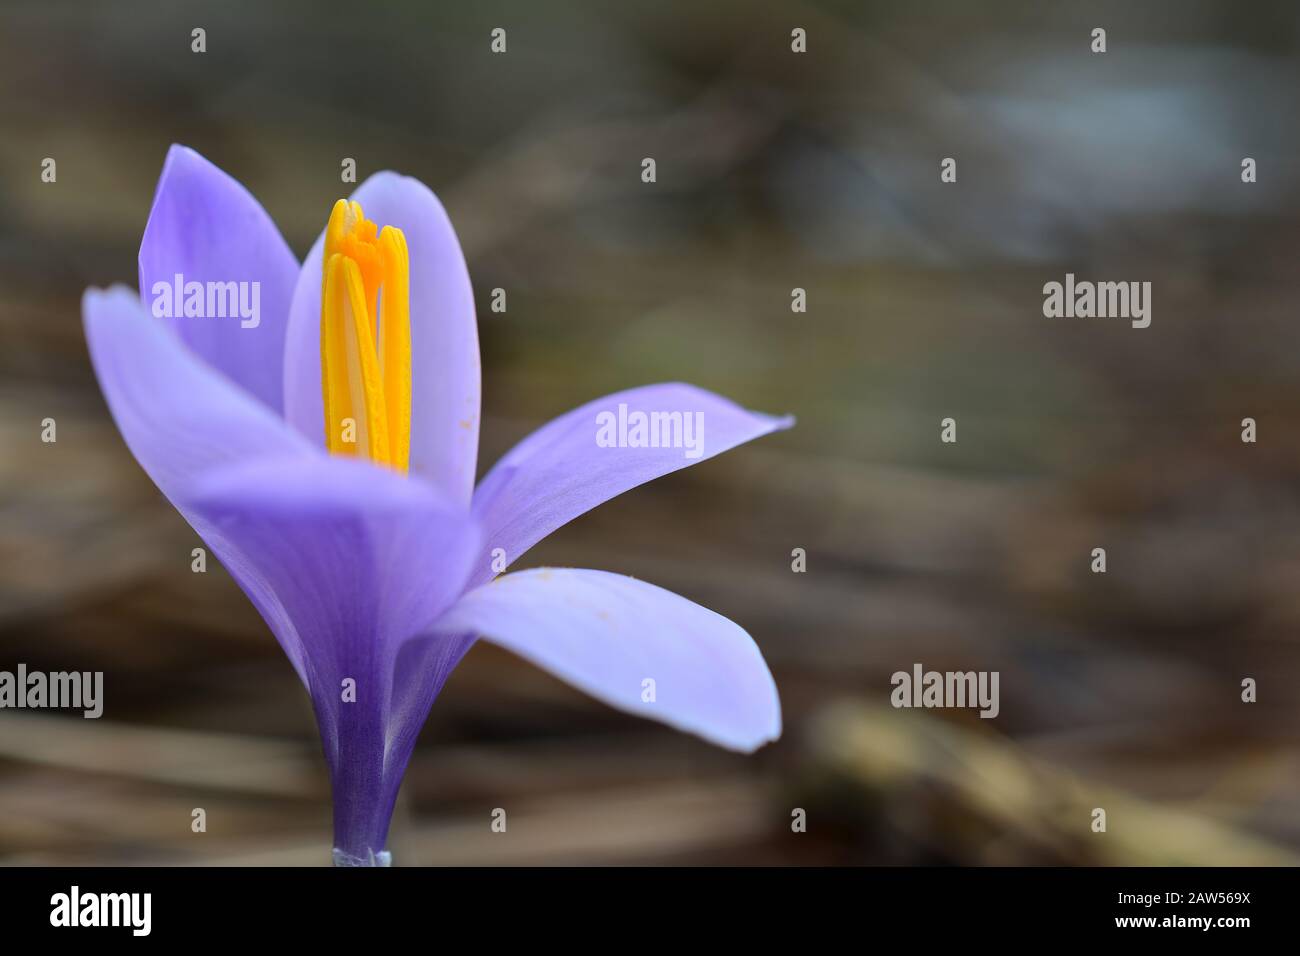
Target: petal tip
{"points": [[180, 150], [391, 178], [772, 731], [751, 744], [180, 156], [95, 296], [775, 422]]}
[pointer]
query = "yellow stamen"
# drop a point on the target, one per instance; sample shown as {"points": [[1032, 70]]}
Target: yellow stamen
{"points": [[365, 339], [395, 343]]}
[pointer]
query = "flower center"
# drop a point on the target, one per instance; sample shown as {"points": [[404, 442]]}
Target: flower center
{"points": [[365, 339]]}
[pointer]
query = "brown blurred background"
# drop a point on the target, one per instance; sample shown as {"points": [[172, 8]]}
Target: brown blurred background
{"points": [[775, 171]]}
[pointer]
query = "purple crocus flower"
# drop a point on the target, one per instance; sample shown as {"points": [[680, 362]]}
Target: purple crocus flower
{"points": [[373, 559]]}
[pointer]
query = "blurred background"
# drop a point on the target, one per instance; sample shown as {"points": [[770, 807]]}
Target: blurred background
{"points": [[776, 170]]}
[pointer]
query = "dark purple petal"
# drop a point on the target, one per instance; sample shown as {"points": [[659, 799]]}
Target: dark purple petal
{"points": [[346, 561], [444, 337], [609, 635], [560, 471], [206, 227]]}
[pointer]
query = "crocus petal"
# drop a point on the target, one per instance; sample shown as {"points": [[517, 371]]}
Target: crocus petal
{"points": [[179, 416], [444, 336], [561, 471], [205, 227], [608, 635], [345, 561]]}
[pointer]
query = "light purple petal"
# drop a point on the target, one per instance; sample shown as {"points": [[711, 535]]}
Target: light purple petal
{"points": [[560, 472], [180, 417], [206, 227], [607, 634], [346, 561], [444, 337]]}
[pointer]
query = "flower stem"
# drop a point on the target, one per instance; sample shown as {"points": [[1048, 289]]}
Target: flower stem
{"points": [[382, 858]]}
